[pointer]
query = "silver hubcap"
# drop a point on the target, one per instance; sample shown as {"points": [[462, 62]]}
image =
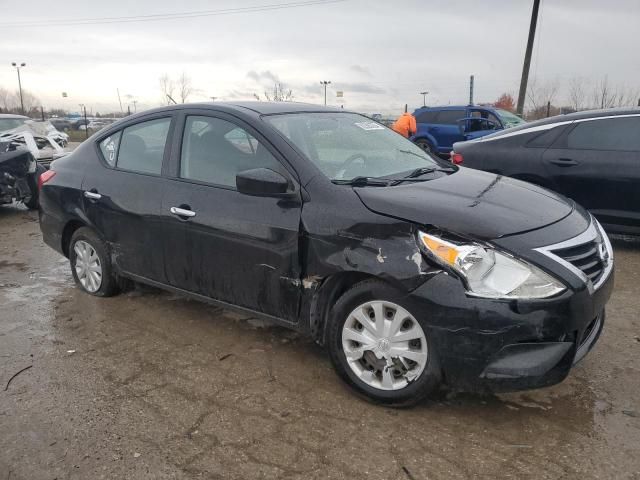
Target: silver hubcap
{"points": [[384, 344], [88, 267]]}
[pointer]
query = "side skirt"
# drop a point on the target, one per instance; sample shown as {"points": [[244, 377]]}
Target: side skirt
{"points": [[218, 303]]}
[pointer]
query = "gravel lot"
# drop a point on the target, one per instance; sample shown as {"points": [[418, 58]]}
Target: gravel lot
{"points": [[151, 385]]}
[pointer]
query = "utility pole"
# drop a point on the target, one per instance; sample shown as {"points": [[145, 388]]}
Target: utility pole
{"points": [[119, 100], [213, 99], [135, 108], [471, 80], [18, 67], [86, 125], [424, 98], [527, 58], [325, 83]]}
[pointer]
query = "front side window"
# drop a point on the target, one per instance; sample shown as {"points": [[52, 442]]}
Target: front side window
{"points": [[109, 148], [428, 116], [142, 146], [621, 134], [347, 145], [215, 151]]}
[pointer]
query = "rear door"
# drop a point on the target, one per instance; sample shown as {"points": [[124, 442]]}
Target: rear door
{"points": [[446, 128], [233, 247], [122, 197], [597, 163]]}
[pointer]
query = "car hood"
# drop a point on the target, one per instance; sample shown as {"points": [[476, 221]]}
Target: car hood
{"points": [[470, 202]]}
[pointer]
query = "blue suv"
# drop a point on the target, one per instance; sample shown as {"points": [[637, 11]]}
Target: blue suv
{"points": [[440, 127]]}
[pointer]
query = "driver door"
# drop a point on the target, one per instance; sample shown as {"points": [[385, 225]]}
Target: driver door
{"points": [[220, 243]]}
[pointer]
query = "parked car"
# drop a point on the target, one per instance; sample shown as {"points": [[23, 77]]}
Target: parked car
{"points": [[592, 157], [411, 271], [19, 174], [440, 127], [9, 121], [62, 124]]}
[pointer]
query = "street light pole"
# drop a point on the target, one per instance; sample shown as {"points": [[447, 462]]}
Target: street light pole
{"points": [[86, 126], [18, 67], [424, 98], [325, 83]]}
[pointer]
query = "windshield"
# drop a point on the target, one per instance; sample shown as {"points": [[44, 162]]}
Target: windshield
{"points": [[347, 145], [509, 119], [10, 123]]}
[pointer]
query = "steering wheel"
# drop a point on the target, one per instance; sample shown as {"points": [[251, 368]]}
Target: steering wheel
{"points": [[348, 162]]}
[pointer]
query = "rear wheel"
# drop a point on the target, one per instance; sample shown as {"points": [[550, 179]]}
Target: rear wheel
{"points": [[426, 146], [91, 264], [380, 348]]}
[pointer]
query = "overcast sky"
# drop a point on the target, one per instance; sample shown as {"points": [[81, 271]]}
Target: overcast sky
{"points": [[380, 53]]}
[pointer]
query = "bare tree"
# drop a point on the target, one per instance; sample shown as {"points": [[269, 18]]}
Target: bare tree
{"points": [[577, 94], [167, 88], [256, 96], [279, 94], [604, 96], [540, 94], [185, 89], [29, 100], [6, 100]]}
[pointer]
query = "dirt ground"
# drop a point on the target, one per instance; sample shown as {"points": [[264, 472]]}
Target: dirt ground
{"points": [[150, 385]]}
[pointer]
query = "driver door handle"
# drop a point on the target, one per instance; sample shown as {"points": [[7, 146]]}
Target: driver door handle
{"points": [[92, 195], [182, 212], [564, 162]]}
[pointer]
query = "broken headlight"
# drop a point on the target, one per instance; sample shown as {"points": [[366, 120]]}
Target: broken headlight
{"points": [[488, 272]]}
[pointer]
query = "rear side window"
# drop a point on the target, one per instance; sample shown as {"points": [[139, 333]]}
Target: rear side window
{"points": [[109, 148], [426, 117], [449, 117], [215, 151], [622, 134], [546, 138], [142, 146]]}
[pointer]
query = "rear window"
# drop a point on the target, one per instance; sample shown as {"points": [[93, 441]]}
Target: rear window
{"points": [[449, 117], [546, 138]]}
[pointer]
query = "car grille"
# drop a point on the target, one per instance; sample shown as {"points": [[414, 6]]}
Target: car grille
{"points": [[585, 257]]}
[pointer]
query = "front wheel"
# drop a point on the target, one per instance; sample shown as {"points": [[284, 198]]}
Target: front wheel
{"points": [[380, 348]]}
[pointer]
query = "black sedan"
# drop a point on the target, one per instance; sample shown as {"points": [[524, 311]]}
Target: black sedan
{"points": [[591, 157], [411, 271]]}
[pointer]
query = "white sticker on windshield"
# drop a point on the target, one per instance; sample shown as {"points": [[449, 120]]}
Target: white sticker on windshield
{"points": [[369, 125]]}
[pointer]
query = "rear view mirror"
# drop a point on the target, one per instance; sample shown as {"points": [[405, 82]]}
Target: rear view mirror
{"points": [[262, 182]]}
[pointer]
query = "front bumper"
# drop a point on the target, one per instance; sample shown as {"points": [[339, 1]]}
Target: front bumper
{"points": [[508, 345]]}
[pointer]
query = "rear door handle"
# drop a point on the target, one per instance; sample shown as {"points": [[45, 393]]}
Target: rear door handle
{"points": [[182, 212], [92, 195], [564, 162]]}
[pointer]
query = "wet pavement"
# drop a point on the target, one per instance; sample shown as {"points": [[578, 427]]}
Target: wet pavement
{"points": [[150, 385]]}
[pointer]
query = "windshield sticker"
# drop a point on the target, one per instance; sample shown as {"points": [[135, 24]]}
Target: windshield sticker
{"points": [[369, 125]]}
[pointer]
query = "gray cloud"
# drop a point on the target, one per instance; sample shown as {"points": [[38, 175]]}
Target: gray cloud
{"points": [[360, 69]]}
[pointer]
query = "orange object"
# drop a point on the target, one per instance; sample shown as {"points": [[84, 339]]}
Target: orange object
{"points": [[405, 125]]}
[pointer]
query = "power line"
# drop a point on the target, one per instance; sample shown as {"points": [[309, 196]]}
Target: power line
{"points": [[170, 16]]}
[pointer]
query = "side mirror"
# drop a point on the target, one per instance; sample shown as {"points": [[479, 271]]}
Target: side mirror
{"points": [[262, 182]]}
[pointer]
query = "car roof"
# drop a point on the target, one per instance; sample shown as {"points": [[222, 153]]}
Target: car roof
{"points": [[256, 107], [456, 107], [13, 116]]}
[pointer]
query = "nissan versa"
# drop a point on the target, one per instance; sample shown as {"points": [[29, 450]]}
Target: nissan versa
{"points": [[413, 272]]}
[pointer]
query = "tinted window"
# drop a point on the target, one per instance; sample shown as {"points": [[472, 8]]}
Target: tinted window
{"points": [[109, 148], [610, 134], [142, 146], [546, 138], [215, 151], [449, 117], [426, 117]]}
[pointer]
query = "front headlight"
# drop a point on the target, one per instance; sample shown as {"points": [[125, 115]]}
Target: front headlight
{"points": [[488, 272]]}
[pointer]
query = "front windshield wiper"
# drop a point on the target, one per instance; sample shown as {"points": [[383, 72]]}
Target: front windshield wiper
{"points": [[363, 182]]}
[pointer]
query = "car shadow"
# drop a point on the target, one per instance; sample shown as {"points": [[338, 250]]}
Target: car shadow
{"points": [[625, 242]]}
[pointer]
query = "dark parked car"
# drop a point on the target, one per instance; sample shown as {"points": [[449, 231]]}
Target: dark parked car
{"points": [[440, 127], [591, 157], [412, 271]]}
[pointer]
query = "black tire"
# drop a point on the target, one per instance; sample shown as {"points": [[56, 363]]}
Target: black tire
{"points": [[109, 284], [426, 146], [369, 290], [31, 202]]}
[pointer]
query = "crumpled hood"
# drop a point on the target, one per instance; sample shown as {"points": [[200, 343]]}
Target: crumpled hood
{"points": [[470, 202]]}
